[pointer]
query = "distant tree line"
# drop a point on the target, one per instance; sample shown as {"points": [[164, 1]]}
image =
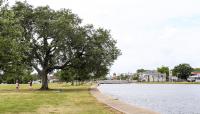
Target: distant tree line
{"points": [[182, 71]]}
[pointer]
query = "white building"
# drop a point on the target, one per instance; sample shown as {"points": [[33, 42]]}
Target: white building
{"points": [[152, 76]]}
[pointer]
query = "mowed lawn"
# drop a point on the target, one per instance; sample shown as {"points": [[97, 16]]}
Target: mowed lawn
{"points": [[61, 99]]}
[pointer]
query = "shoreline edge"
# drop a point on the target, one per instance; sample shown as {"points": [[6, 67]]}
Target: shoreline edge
{"points": [[117, 104]]}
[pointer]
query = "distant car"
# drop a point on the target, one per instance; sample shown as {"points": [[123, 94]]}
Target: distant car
{"points": [[36, 82], [191, 79], [195, 78], [54, 80]]}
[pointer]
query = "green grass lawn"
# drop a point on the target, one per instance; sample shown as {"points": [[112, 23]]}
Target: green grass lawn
{"points": [[61, 99]]}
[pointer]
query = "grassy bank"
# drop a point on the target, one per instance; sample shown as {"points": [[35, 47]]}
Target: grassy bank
{"points": [[62, 99], [168, 82]]}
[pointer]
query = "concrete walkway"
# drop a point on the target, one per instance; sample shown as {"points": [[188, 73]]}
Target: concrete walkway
{"points": [[119, 105]]}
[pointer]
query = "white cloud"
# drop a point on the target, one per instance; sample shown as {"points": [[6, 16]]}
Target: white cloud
{"points": [[150, 33]]}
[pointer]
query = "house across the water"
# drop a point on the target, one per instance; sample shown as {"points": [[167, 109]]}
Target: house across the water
{"points": [[195, 77], [195, 73], [152, 76]]}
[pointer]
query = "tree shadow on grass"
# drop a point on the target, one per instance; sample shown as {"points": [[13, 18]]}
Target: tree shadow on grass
{"points": [[68, 90]]}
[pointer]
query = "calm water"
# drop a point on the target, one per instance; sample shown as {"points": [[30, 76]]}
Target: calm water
{"points": [[163, 98]]}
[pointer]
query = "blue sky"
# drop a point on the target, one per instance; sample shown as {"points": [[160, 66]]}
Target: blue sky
{"points": [[150, 33]]}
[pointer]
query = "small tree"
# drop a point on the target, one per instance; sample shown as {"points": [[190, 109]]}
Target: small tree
{"points": [[140, 70], [182, 70], [164, 70], [67, 75]]}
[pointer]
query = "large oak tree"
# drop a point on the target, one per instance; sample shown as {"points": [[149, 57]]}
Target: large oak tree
{"points": [[56, 39]]}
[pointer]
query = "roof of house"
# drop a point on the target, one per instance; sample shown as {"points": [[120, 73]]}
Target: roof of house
{"points": [[195, 72]]}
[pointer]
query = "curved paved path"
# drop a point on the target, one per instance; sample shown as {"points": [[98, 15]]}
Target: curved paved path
{"points": [[119, 105]]}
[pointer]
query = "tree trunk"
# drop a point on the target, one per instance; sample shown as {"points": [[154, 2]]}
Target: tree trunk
{"points": [[72, 83], [167, 78], [44, 81]]}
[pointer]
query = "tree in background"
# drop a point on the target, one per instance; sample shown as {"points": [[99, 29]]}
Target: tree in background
{"points": [[66, 75], [183, 71], [196, 69], [164, 70], [140, 70], [81, 74], [56, 40]]}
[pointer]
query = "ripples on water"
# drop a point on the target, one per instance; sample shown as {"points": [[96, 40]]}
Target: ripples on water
{"points": [[163, 98]]}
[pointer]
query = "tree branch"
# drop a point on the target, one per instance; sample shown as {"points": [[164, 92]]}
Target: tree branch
{"points": [[38, 57], [59, 67], [36, 68]]}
